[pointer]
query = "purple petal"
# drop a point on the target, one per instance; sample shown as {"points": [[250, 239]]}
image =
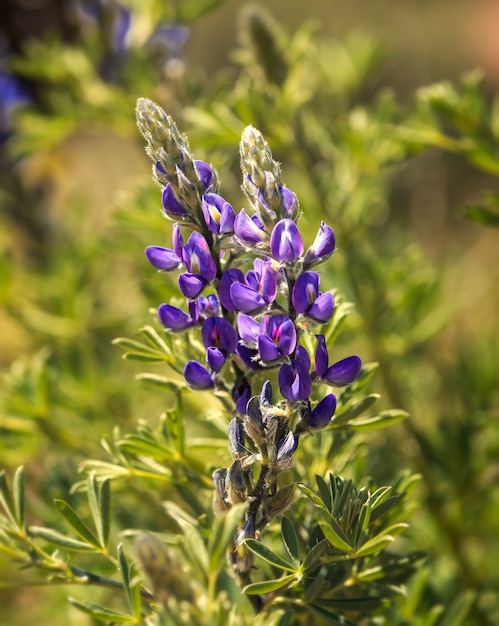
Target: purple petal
{"points": [[197, 376], [177, 240], [321, 356], [295, 383], [305, 291], [218, 332], [281, 330], [323, 246], [162, 258], [215, 358], [248, 356], [343, 372], [268, 283], [171, 204], [206, 174], [229, 277], [241, 394], [199, 262], [248, 229], [191, 285], [218, 214], [208, 306], [173, 318], [285, 242], [267, 349], [289, 203], [323, 308], [246, 299], [323, 412], [248, 328]]}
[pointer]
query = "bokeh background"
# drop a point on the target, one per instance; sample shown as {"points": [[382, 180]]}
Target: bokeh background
{"points": [[78, 208]]}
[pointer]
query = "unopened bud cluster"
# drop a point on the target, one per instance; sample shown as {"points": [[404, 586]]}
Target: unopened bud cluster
{"points": [[249, 321]]}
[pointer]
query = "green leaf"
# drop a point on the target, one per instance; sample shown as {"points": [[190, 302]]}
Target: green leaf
{"points": [[161, 382], [6, 499], [77, 523], [335, 535], [312, 495], [355, 409], [258, 548], [104, 528], [482, 215], [132, 590], [223, 531], [381, 420], [102, 614], [18, 490], [315, 554], [266, 586], [324, 491], [290, 538], [379, 542], [60, 540]]}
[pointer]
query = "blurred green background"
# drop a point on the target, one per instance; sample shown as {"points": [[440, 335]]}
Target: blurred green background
{"points": [[78, 207]]}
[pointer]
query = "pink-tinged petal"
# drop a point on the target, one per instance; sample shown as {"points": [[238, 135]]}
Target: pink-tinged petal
{"points": [[218, 332], [197, 376], [343, 372], [173, 318], [162, 258], [267, 349]]}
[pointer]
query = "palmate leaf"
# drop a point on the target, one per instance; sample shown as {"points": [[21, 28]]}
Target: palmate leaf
{"points": [[379, 542]]}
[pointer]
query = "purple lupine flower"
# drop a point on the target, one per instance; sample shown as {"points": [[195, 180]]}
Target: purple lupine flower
{"points": [[162, 258], [309, 301], [201, 268], [339, 374], [206, 174], [249, 329], [241, 394], [229, 277], [322, 248], [173, 36], [218, 214], [323, 412], [215, 358], [197, 376], [290, 205], [277, 337], [171, 204], [285, 242], [248, 229], [207, 306], [218, 332], [173, 318], [295, 381], [258, 290]]}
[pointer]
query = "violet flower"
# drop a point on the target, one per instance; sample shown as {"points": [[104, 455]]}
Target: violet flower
{"points": [[249, 230], [218, 214], [277, 337], [309, 301], [173, 318], [163, 259], [201, 268], [322, 248], [258, 290], [285, 242], [172, 206], [295, 381], [197, 376], [339, 374]]}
